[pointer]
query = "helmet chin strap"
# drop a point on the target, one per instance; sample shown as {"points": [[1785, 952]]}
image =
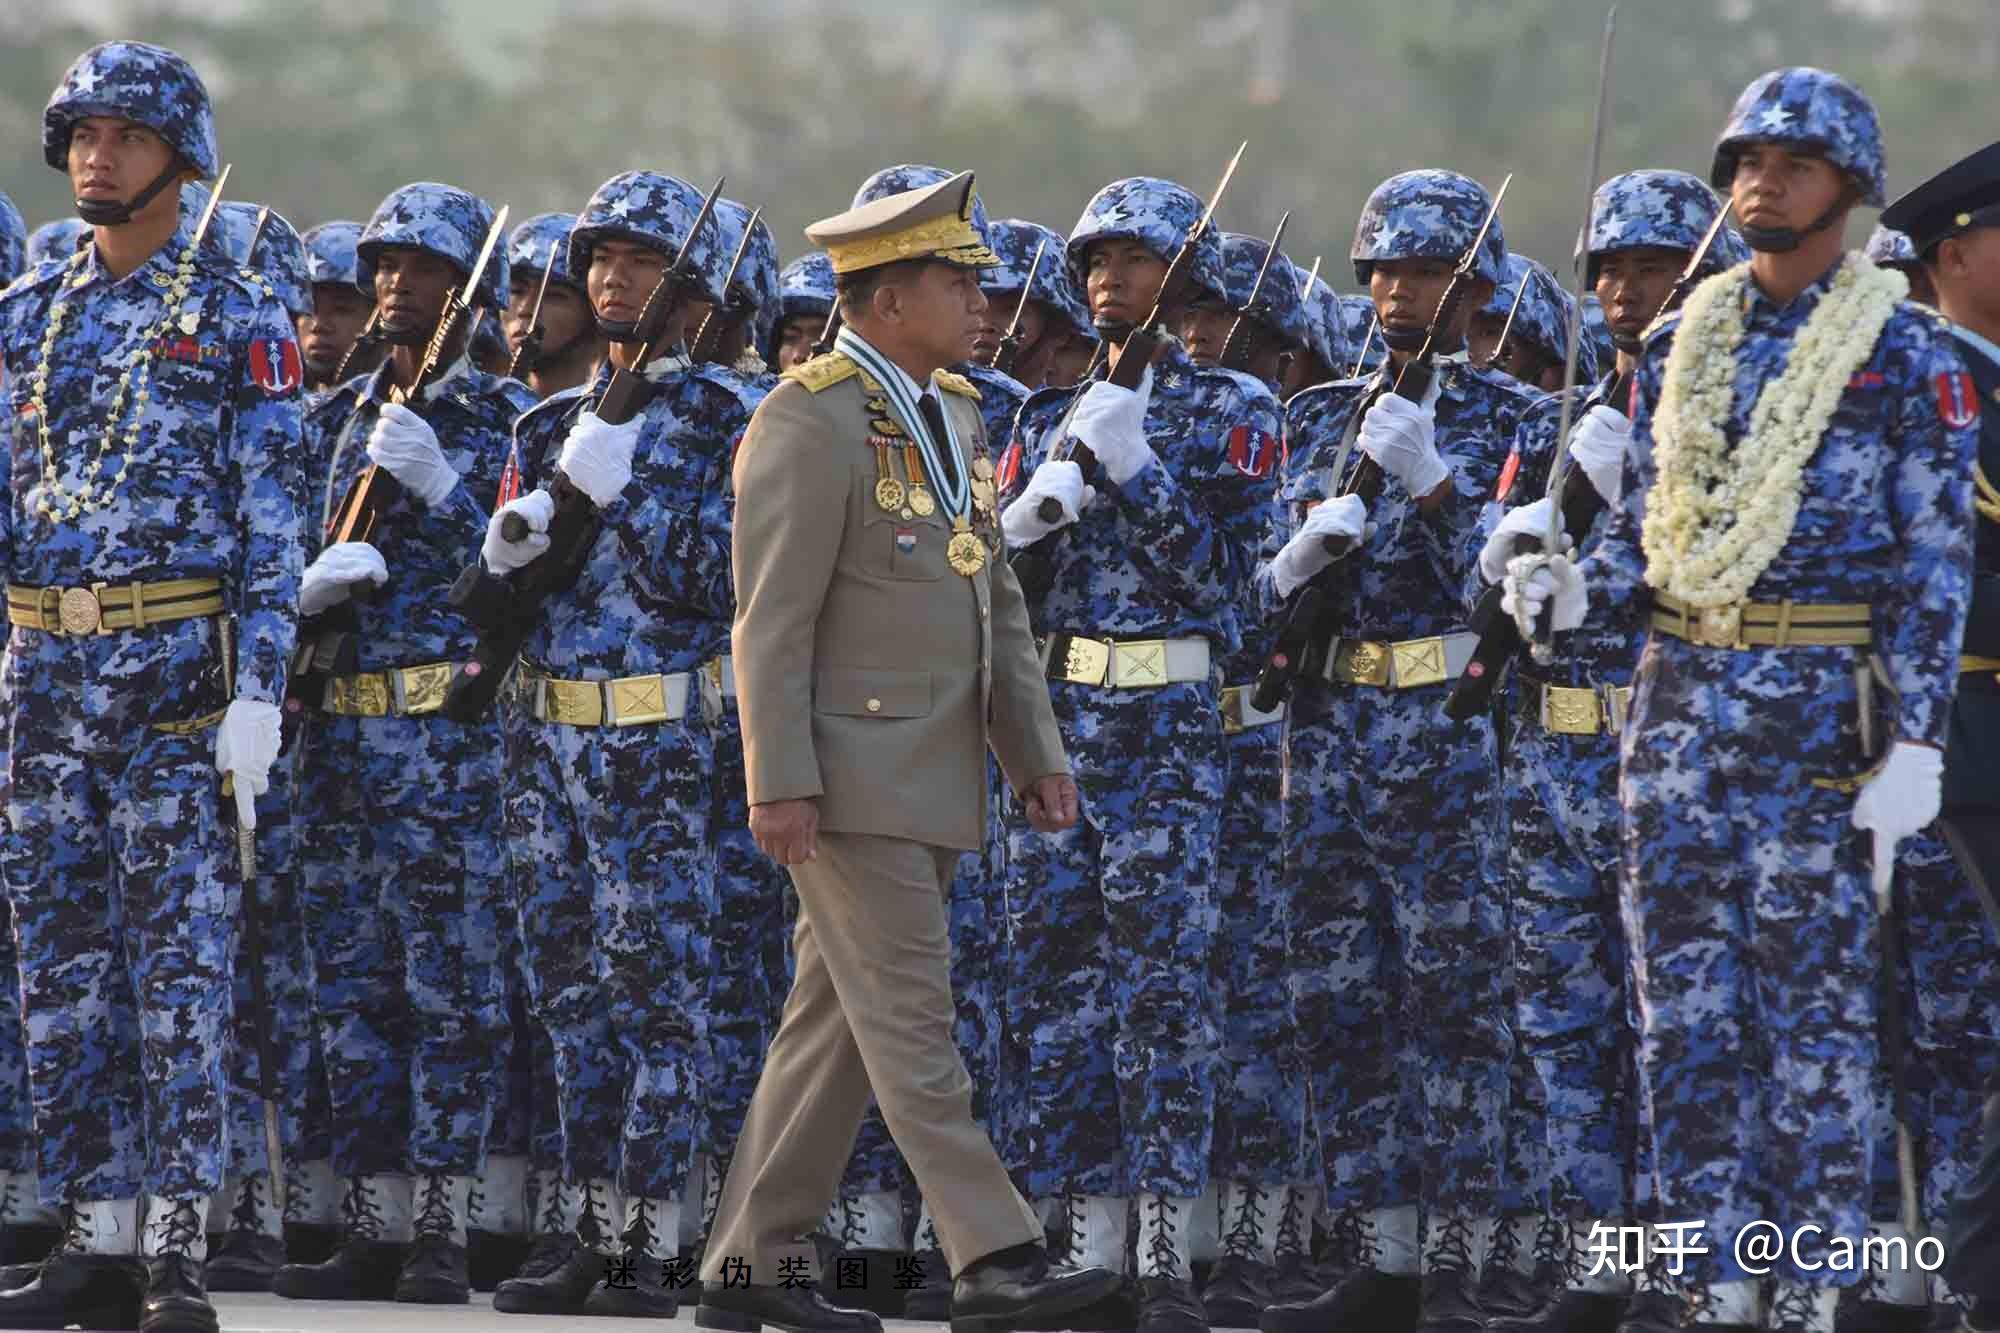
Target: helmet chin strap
{"points": [[1629, 346], [403, 335], [116, 213], [1404, 340], [1783, 240], [1112, 330]]}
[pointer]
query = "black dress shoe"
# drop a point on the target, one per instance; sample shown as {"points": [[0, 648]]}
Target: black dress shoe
{"points": [[1365, 1301], [176, 1301], [1570, 1312], [244, 1261], [360, 1270], [556, 1279], [638, 1294], [1168, 1305], [1237, 1291], [1020, 1285], [1450, 1303], [89, 1290], [930, 1299], [794, 1309], [1507, 1292], [434, 1273], [491, 1257]]}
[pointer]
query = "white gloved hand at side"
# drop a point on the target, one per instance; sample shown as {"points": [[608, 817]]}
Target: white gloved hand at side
{"points": [[329, 580], [1598, 444], [1530, 520], [1112, 422], [1533, 581], [1401, 436], [597, 457], [246, 745], [1344, 518], [404, 445], [1022, 522], [504, 557], [1905, 794]]}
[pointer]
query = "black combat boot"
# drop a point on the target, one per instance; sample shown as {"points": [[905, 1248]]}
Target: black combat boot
{"points": [[641, 1290], [375, 1216], [435, 1270], [252, 1247]]}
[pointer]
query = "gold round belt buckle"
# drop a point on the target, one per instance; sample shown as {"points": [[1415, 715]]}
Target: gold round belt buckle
{"points": [[1720, 625], [78, 612]]}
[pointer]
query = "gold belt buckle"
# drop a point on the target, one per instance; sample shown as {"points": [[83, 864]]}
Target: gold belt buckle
{"points": [[576, 703], [423, 687], [1086, 661], [363, 695], [1721, 626], [1361, 662], [1568, 711], [1139, 663], [1418, 661], [1232, 709], [78, 611], [637, 699]]}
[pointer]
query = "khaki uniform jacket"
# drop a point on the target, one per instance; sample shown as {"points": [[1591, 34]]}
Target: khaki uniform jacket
{"points": [[869, 673]]}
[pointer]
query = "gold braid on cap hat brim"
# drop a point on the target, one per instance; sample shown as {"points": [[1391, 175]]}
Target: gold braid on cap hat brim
{"points": [[950, 240]]}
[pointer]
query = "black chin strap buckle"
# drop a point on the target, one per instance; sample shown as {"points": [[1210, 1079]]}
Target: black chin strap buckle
{"points": [[116, 213]]}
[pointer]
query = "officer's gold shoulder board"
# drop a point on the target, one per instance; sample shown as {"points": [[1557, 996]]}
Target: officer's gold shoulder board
{"points": [[823, 372], [958, 384]]}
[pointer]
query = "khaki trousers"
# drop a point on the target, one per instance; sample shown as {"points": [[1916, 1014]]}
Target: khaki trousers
{"points": [[870, 1010]]}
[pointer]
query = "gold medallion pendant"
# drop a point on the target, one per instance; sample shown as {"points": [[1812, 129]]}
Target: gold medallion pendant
{"points": [[889, 493], [982, 468], [982, 496], [966, 553], [920, 500]]}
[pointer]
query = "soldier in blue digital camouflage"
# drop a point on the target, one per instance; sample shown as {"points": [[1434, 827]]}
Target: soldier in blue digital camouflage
{"points": [[340, 308], [1537, 340], [154, 402], [1259, 1103], [1808, 599], [1560, 779], [1326, 356], [1363, 330], [1398, 945], [401, 863], [608, 789], [805, 296], [1054, 326], [13, 241], [1889, 248], [1112, 923], [56, 240], [563, 342]]}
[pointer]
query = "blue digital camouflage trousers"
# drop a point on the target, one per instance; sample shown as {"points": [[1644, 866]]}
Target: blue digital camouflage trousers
{"points": [[620, 903], [17, 1119], [1260, 1095], [1112, 926], [1746, 893], [1398, 948], [124, 890], [402, 873], [1571, 1009]]}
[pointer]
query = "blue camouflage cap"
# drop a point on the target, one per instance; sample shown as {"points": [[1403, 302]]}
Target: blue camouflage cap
{"points": [[280, 258], [443, 219], [1015, 240], [1889, 247], [1813, 109], [330, 256], [56, 240], [755, 287], [648, 208], [13, 241], [1364, 339], [534, 240], [805, 287], [1543, 317], [916, 176], [1159, 215], [1427, 214], [1671, 210], [1326, 327], [139, 82], [1277, 307]]}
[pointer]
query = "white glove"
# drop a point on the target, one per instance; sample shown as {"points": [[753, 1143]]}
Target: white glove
{"points": [[246, 745], [1401, 436], [597, 458], [1021, 521], [1903, 796], [1530, 520], [1598, 445], [502, 556], [1305, 554], [1533, 580], [1112, 421], [330, 578], [404, 445]]}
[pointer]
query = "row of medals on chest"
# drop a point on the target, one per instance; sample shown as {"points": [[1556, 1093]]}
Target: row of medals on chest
{"points": [[965, 552]]}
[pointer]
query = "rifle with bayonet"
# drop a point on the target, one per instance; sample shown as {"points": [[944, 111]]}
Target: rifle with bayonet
{"points": [[1009, 351], [529, 353], [327, 645], [1236, 347], [830, 330], [506, 608], [716, 322], [1309, 627]]}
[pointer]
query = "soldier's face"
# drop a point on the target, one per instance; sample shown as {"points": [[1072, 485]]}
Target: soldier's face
{"points": [[112, 159], [412, 286], [1302, 370], [1000, 308], [1068, 358], [622, 275], [1966, 281], [1204, 327], [1482, 340], [795, 340], [1783, 186], [1406, 293], [339, 314], [1633, 284], [1122, 280], [565, 317]]}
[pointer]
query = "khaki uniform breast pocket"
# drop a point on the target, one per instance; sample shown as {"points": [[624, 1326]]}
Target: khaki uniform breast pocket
{"points": [[867, 692], [893, 547]]}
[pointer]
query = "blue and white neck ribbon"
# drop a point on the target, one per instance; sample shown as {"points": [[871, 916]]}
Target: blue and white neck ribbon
{"points": [[954, 487]]}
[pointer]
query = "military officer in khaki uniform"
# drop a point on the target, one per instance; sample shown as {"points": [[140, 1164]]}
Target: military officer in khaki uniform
{"points": [[881, 647]]}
